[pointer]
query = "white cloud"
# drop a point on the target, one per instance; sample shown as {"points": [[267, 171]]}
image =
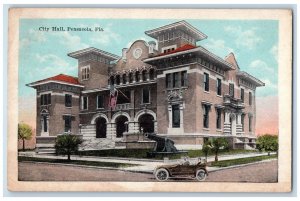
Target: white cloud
{"points": [[218, 46], [105, 37], [244, 38], [262, 66], [53, 64], [274, 52], [269, 84], [71, 42], [33, 36]]}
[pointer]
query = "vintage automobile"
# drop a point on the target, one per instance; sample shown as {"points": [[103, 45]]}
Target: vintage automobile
{"points": [[183, 169]]}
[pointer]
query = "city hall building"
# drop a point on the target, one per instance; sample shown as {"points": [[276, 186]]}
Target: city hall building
{"points": [[169, 86]]}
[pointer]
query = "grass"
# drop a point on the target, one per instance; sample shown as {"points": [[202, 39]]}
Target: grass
{"points": [[240, 161], [75, 162], [142, 153]]}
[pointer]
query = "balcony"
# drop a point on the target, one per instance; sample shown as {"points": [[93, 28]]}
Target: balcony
{"points": [[233, 102], [124, 106]]}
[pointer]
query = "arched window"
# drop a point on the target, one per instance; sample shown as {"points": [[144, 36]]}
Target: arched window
{"points": [[144, 75], [152, 74], [124, 78], [118, 79], [130, 77], [137, 76]]}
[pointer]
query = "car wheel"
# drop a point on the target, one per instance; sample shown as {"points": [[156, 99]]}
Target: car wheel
{"points": [[162, 174], [201, 175]]}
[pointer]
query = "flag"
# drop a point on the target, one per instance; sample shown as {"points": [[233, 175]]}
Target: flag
{"points": [[113, 95]]}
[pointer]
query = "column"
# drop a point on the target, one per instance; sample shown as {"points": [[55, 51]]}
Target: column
{"points": [[170, 115], [155, 126], [239, 123], [147, 76], [127, 78], [181, 115], [111, 131], [121, 79], [227, 125]]}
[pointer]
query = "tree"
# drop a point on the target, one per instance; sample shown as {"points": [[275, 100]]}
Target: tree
{"points": [[267, 143], [217, 144], [67, 144], [206, 149], [24, 133]]}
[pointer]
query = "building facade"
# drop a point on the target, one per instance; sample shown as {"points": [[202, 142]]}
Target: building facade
{"points": [[171, 87]]}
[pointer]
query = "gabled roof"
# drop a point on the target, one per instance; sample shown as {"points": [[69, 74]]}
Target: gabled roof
{"points": [[61, 79], [82, 52], [181, 25]]}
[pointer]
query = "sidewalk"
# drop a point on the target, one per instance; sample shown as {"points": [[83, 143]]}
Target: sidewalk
{"points": [[143, 165]]}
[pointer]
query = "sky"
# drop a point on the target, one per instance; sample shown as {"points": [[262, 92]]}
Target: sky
{"points": [[44, 53]]}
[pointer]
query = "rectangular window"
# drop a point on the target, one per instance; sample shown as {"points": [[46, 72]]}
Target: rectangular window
{"points": [[176, 79], [68, 100], [219, 86], [242, 95], [175, 116], [68, 123], [168, 81], [206, 82], [184, 79], [231, 90], [206, 116], [84, 103], [100, 101], [250, 98], [146, 95], [85, 73], [218, 118], [250, 123], [46, 99], [123, 97]]}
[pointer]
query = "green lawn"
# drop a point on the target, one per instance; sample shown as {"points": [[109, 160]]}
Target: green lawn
{"points": [[142, 153], [64, 161], [226, 163]]}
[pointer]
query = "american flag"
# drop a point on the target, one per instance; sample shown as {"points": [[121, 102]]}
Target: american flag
{"points": [[113, 97]]}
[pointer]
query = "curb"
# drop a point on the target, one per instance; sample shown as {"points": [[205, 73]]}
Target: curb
{"points": [[242, 165], [87, 166]]}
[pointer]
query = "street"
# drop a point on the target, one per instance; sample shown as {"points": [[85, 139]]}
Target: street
{"points": [[261, 172]]}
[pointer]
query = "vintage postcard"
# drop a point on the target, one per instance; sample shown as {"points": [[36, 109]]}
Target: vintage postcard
{"points": [[150, 100]]}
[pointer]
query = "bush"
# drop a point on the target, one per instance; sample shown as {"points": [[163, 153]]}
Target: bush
{"points": [[267, 143], [67, 144]]}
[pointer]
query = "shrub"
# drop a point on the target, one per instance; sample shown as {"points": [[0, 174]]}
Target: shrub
{"points": [[67, 144], [267, 143]]}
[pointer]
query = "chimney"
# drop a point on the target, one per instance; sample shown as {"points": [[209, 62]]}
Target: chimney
{"points": [[152, 45], [124, 50]]}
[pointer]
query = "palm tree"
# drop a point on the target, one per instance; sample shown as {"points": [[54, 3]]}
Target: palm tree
{"points": [[67, 144], [217, 144], [24, 133]]}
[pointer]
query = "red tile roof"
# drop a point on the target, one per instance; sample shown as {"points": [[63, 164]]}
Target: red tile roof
{"points": [[180, 49], [62, 78]]}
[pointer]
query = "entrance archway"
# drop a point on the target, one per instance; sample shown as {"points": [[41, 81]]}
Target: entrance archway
{"points": [[101, 127], [146, 121], [121, 126]]}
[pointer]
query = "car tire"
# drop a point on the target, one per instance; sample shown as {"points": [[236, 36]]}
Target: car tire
{"points": [[162, 174], [201, 175]]}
